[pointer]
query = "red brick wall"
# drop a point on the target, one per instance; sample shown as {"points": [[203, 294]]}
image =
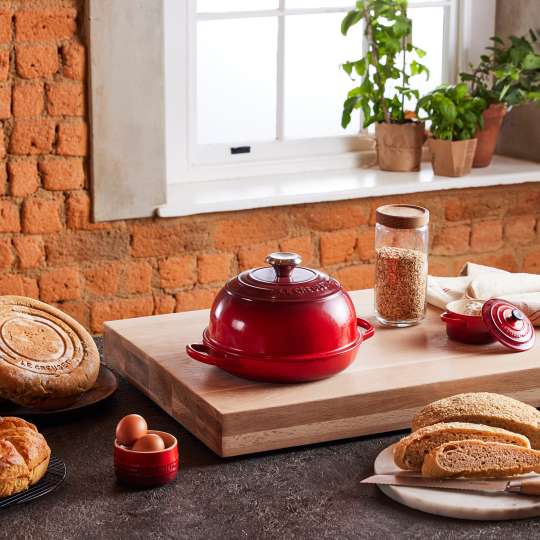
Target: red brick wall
{"points": [[50, 250]]}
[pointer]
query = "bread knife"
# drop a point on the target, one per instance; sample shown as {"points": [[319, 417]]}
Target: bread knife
{"points": [[525, 486]]}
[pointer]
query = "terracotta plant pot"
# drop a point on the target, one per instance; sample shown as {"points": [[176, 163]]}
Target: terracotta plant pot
{"points": [[399, 146], [452, 158], [487, 136]]}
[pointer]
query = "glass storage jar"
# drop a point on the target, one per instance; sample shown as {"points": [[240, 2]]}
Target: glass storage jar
{"points": [[401, 245]]}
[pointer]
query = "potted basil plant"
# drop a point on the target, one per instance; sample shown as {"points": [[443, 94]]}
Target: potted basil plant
{"points": [[384, 72], [506, 77], [455, 116]]}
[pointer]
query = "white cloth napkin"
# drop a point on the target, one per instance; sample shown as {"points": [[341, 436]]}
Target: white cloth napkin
{"points": [[480, 282]]}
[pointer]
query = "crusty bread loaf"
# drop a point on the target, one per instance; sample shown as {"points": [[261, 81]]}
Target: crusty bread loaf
{"points": [[483, 408], [409, 453], [14, 474], [474, 458], [24, 455], [33, 449]]}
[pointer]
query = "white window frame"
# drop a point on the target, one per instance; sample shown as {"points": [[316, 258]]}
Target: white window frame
{"points": [[191, 162], [281, 148], [139, 107]]}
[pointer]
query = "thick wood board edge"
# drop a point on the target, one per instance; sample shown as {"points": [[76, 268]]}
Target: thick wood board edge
{"points": [[206, 425]]}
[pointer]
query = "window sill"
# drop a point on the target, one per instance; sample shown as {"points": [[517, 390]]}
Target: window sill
{"points": [[190, 198]]}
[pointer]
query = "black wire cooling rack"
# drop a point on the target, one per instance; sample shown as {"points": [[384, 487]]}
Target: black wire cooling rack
{"points": [[53, 478]]}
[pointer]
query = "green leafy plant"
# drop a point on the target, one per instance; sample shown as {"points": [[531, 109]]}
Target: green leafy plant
{"points": [[510, 73], [389, 57], [455, 115]]}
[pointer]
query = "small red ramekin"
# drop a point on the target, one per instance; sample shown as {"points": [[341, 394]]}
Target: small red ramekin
{"points": [[147, 469], [465, 328]]}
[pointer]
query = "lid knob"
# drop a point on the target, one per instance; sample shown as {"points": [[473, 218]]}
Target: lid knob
{"points": [[283, 262], [517, 315]]}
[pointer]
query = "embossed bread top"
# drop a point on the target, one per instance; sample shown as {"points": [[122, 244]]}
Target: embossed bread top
{"points": [[483, 408], [410, 451], [47, 358]]}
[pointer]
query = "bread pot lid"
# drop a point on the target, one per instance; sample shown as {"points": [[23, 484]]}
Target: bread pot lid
{"points": [[508, 324], [283, 280]]}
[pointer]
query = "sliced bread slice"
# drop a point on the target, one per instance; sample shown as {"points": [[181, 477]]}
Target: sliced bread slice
{"points": [[474, 458], [483, 408], [410, 451]]}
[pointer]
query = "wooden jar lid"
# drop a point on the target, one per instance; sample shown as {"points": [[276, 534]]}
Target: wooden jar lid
{"points": [[44, 353], [402, 216]]}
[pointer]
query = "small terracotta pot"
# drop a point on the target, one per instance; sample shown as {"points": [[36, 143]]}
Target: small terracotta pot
{"points": [[452, 158], [487, 136], [147, 469], [399, 146]]}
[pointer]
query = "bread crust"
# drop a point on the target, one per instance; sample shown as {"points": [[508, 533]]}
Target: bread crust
{"points": [[410, 451], [14, 474], [474, 458], [11, 422], [47, 359], [494, 410], [24, 455]]}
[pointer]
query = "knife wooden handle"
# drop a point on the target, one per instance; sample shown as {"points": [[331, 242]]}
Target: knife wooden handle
{"points": [[529, 486]]}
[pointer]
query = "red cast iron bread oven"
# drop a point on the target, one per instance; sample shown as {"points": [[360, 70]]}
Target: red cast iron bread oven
{"points": [[282, 323]]}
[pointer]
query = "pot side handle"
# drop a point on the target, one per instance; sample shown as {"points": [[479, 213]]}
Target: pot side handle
{"points": [[450, 317], [202, 353], [368, 327]]}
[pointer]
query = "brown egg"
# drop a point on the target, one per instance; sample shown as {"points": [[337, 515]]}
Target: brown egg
{"points": [[131, 428], [149, 443]]}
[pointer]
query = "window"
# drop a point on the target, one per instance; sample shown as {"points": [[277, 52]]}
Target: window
{"points": [[210, 105], [264, 86]]}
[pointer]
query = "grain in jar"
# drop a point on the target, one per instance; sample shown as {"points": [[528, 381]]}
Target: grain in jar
{"points": [[401, 266]]}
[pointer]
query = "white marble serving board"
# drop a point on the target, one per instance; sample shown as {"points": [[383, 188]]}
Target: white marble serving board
{"points": [[456, 504]]}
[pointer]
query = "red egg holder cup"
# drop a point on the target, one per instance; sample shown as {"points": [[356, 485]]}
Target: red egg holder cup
{"points": [[147, 469]]}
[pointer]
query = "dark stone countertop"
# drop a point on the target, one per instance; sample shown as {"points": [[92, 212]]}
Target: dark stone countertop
{"points": [[309, 492]]}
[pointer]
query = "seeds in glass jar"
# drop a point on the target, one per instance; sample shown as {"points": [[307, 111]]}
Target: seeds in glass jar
{"points": [[400, 284]]}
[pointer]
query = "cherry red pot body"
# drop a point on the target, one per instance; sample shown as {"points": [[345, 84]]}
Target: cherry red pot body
{"points": [[147, 469], [466, 328], [282, 368], [282, 325]]}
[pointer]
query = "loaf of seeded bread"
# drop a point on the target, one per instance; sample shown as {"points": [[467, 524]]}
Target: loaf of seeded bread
{"points": [[475, 458], [409, 453], [483, 408]]}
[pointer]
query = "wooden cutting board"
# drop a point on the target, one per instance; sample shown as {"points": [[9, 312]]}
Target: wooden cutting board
{"points": [[456, 504], [395, 373]]}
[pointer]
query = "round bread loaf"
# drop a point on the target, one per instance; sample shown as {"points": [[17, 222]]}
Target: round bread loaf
{"points": [[47, 359], [24, 455]]}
